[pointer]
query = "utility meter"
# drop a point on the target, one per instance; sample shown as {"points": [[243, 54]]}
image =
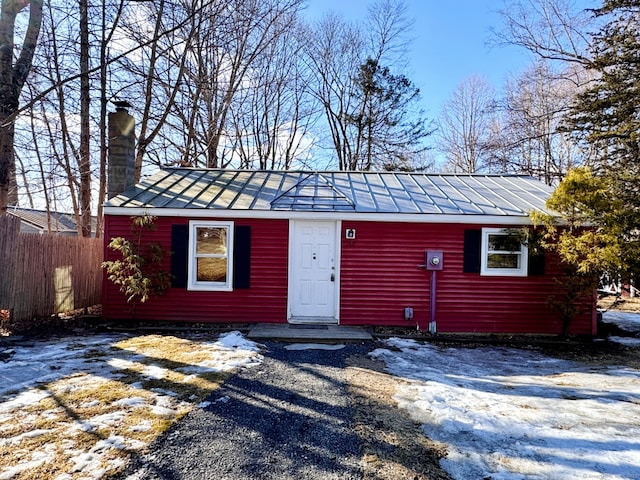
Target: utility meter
{"points": [[433, 259]]}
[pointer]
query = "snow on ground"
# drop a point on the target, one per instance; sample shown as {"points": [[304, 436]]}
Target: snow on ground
{"points": [[627, 321], [512, 414], [626, 341], [35, 376]]}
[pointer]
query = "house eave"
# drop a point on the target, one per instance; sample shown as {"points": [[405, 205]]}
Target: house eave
{"points": [[479, 219]]}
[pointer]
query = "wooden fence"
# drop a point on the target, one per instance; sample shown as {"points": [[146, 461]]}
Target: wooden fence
{"points": [[42, 275]]}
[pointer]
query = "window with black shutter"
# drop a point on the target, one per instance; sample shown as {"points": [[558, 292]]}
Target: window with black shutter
{"points": [[210, 255], [500, 252]]}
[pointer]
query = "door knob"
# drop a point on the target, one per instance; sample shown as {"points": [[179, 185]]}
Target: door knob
{"points": [[333, 277]]}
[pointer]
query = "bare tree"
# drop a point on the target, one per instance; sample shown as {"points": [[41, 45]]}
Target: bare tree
{"points": [[528, 138], [75, 130], [464, 126], [335, 52], [62, 139], [13, 75], [550, 29], [272, 118], [369, 107], [156, 71], [107, 33], [84, 150], [386, 30], [216, 83], [229, 41]]}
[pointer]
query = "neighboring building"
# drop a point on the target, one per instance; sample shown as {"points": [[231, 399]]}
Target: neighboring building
{"points": [[41, 221], [344, 247]]}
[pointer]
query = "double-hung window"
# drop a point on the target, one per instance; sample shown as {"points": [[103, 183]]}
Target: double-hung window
{"points": [[503, 253], [210, 255]]}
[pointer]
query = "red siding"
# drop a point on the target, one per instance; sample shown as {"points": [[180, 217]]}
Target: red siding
{"points": [[379, 278], [265, 301]]}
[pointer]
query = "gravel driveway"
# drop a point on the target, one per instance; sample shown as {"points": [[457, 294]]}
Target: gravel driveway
{"points": [[288, 418]]}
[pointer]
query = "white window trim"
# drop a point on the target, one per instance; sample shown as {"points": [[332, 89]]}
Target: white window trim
{"points": [[501, 272], [192, 282]]}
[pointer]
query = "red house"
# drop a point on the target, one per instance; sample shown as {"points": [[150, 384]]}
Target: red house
{"points": [[350, 248]]}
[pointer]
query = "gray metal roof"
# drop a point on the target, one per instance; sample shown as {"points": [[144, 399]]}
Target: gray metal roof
{"points": [[38, 221], [357, 192]]}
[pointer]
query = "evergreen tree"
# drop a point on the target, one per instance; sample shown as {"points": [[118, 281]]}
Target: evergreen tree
{"points": [[586, 237], [388, 134], [606, 116]]}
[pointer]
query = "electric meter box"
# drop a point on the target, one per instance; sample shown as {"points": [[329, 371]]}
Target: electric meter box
{"points": [[433, 259]]}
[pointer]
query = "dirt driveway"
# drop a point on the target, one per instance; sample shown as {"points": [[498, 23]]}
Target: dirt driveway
{"points": [[310, 413]]}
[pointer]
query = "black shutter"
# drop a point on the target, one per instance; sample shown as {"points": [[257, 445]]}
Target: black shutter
{"points": [[536, 264], [472, 240], [242, 257], [179, 252]]}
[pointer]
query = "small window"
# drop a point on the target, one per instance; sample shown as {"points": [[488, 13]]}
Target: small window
{"points": [[502, 253], [210, 254]]}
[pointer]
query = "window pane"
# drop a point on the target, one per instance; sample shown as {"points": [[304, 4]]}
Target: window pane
{"points": [[211, 241], [498, 260], [504, 243], [211, 270]]}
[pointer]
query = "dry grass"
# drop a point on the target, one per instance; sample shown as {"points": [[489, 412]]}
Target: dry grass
{"points": [[624, 304], [394, 446], [90, 424]]}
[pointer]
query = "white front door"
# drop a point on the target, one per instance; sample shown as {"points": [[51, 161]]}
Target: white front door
{"points": [[313, 279]]}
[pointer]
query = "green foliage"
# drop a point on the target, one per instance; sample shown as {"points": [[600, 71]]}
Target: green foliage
{"points": [[586, 234], [598, 225], [583, 235], [138, 273], [388, 133], [606, 117]]}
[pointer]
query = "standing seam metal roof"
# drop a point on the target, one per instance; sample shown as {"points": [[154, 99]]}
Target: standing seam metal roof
{"points": [[360, 192]]}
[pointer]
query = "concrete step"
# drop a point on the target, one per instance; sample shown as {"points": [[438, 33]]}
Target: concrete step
{"points": [[308, 333]]}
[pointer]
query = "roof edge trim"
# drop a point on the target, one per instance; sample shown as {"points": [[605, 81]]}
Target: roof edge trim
{"points": [[479, 219]]}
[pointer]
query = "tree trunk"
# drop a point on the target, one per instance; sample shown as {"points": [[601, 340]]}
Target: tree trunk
{"points": [[8, 99], [84, 149], [12, 78], [7, 133]]}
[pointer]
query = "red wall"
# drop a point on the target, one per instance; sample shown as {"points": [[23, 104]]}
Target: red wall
{"points": [[264, 301], [379, 278]]}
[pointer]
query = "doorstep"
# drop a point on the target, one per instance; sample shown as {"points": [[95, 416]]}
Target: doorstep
{"points": [[308, 333]]}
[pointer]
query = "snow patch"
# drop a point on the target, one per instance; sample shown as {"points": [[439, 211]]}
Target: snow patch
{"points": [[626, 341], [627, 321], [511, 414], [37, 459], [132, 402], [91, 362], [235, 340]]}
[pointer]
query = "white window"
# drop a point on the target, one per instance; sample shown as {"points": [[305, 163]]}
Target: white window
{"points": [[210, 255], [502, 253]]}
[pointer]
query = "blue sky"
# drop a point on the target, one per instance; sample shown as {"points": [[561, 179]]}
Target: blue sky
{"points": [[450, 44]]}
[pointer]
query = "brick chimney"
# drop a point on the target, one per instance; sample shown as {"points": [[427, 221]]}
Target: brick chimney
{"points": [[122, 141]]}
